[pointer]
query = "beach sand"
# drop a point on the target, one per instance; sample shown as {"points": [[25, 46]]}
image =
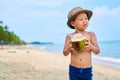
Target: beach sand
{"points": [[29, 63]]}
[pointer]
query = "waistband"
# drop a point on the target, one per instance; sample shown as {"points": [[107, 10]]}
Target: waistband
{"points": [[89, 69], [80, 68]]}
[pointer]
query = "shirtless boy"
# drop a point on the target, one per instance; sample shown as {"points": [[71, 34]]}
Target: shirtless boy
{"points": [[80, 67]]}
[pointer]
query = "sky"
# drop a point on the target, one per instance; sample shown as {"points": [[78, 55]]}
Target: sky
{"points": [[45, 20]]}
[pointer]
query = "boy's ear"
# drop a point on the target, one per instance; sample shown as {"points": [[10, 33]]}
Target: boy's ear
{"points": [[72, 23]]}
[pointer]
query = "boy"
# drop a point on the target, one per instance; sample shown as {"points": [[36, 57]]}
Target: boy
{"points": [[80, 67]]}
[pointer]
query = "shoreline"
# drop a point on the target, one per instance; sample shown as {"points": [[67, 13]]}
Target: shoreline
{"points": [[111, 62], [27, 62]]}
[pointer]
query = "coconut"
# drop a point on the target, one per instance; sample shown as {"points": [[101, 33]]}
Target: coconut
{"points": [[78, 41]]}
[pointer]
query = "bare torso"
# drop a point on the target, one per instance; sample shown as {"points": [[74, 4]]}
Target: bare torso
{"points": [[82, 58]]}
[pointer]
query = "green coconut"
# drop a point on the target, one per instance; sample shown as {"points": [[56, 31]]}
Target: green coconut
{"points": [[78, 41]]}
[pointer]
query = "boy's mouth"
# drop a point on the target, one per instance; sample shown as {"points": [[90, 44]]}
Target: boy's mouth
{"points": [[85, 25]]}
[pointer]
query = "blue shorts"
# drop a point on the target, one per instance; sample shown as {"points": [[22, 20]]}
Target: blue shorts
{"points": [[80, 73]]}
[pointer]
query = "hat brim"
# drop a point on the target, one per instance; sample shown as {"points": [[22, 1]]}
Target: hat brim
{"points": [[88, 12]]}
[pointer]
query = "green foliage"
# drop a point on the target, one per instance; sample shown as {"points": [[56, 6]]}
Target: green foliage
{"points": [[7, 37]]}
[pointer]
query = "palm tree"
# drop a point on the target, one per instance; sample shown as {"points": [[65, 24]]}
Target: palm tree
{"points": [[6, 27]]}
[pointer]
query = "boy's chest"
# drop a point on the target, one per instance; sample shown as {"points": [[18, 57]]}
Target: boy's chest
{"points": [[88, 36]]}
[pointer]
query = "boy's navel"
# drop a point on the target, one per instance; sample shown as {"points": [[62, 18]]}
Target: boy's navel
{"points": [[80, 59]]}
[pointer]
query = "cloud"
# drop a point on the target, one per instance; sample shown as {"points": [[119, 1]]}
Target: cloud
{"points": [[48, 3], [116, 11], [106, 21], [104, 15], [101, 10], [30, 10], [105, 11], [35, 7]]}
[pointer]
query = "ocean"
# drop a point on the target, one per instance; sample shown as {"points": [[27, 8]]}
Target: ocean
{"points": [[109, 52]]}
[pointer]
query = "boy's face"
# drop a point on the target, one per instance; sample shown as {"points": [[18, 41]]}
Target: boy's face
{"points": [[81, 22]]}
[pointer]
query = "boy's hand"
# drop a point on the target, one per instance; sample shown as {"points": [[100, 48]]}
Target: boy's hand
{"points": [[72, 49], [88, 46]]}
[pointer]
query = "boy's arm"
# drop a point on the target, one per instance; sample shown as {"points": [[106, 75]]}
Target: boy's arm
{"points": [[95, 47], [67, 46], [92, 44]]}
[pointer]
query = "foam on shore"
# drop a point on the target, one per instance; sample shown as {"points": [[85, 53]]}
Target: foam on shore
{"points": [[109, 61]]}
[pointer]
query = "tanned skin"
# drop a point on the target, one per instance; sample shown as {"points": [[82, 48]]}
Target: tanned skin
{"points": [[81, 58]]}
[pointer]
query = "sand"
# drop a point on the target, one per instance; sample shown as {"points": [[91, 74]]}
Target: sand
{"points": [[29, 63]]}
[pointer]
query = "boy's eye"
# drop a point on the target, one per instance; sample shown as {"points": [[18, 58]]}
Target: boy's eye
{"points": [[86, 18], [81, 19]]}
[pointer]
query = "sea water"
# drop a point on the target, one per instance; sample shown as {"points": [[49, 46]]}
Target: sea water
{"points": [[109, 52], [110, 49], [107, 49]]}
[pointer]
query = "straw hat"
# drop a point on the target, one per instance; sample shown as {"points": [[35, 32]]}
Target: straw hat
{"points": [[75, 12]]}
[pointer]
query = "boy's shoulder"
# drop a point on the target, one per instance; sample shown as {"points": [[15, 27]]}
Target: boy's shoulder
{"points": [[88, 32], [91, 33], [70, 34]]}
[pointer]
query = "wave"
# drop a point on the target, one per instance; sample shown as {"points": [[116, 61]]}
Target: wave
{"points": [[109, 61], [42, 47]]}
